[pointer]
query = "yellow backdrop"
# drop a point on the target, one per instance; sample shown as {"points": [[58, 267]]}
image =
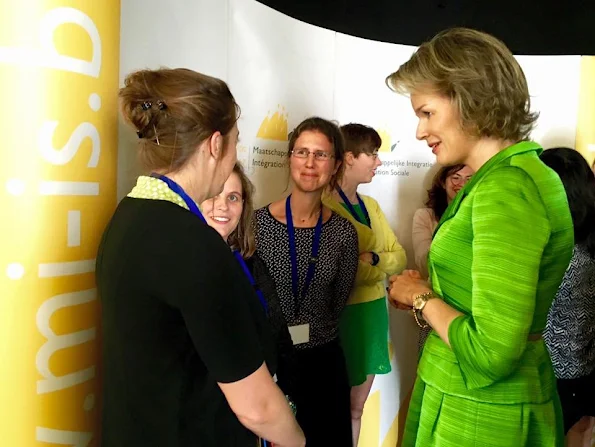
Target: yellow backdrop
{"points": [[58, 127], [585, 130]]}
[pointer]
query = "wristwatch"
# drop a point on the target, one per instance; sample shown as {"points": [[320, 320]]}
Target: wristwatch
{"points": [[419, 302], [375, 259]]}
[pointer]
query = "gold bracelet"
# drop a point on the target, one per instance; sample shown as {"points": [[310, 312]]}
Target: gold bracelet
{"points": [[418, 307], [420, 319]]}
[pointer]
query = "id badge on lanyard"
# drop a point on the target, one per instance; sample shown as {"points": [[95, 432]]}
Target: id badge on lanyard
{"points": [[301, 333], [297, 293]]}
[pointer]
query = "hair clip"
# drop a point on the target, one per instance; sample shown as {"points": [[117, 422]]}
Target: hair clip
{"points": [[146, 105], [161, 105]]}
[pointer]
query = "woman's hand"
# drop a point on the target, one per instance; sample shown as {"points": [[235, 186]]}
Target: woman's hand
{"points": [[405, 287]]}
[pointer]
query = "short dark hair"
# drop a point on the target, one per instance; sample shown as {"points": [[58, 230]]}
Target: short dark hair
{"points": [[360, 139], [579, 182]]}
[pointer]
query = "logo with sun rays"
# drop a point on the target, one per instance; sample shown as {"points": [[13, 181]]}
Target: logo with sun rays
{"points": [[269, 147], [387, 144], [274, 125]]}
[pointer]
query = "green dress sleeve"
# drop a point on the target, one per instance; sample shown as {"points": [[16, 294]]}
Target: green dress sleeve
{"points": [[510, 231]]}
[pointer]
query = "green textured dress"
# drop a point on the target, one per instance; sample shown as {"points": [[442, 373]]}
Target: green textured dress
{"points": [[498, 256], [363, 330]]}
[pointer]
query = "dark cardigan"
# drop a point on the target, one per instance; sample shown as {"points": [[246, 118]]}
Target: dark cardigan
{"points": [[285, 350]]}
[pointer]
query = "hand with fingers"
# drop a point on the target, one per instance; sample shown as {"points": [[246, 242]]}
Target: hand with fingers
{"points": [[403, 288]]}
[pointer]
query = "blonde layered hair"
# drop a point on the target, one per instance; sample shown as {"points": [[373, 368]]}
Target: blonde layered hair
{"points": [[481, 77]]}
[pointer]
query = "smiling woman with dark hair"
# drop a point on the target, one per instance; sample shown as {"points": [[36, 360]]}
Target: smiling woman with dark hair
{"points": [[447, 182]]}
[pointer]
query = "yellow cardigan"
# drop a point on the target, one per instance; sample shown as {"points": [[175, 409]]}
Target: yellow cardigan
{"points": [[369, 281]]}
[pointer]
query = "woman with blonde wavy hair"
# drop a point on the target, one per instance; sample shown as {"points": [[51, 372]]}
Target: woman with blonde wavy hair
{"points": [[499, 253]]}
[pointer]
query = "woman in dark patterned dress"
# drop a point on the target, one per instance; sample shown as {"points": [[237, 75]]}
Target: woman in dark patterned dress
{"points": [[312, 254], [570, 329]]}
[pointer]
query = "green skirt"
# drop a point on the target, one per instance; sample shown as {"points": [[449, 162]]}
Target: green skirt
{"points": [[363, 330], [438, 419]]}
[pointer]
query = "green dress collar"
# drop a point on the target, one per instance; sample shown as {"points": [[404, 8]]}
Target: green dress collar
{"points": [[515, 149]]}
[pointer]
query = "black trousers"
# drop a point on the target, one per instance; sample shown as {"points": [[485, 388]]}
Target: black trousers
{"points": [[578, 398], [322, 396]]}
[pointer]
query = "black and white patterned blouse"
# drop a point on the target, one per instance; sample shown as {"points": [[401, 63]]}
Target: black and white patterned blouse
{"points": [[570, 328], [333, 278]]}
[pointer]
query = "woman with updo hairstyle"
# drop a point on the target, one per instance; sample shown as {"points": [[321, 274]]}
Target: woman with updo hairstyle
{"points": [[187, 352], [497, 258]]}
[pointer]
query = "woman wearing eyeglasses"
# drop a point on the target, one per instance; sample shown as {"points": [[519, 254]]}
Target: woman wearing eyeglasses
{"points": [[447, 183], [312, 254]]}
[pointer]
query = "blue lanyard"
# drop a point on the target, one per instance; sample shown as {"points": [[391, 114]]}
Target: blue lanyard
{"points": [[293, 254], [351, 209], [193, 207], [248, 274], [191, 204]]}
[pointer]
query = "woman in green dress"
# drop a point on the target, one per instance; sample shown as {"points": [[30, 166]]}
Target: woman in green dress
{"points": [[499, 254], [363, 327]]}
